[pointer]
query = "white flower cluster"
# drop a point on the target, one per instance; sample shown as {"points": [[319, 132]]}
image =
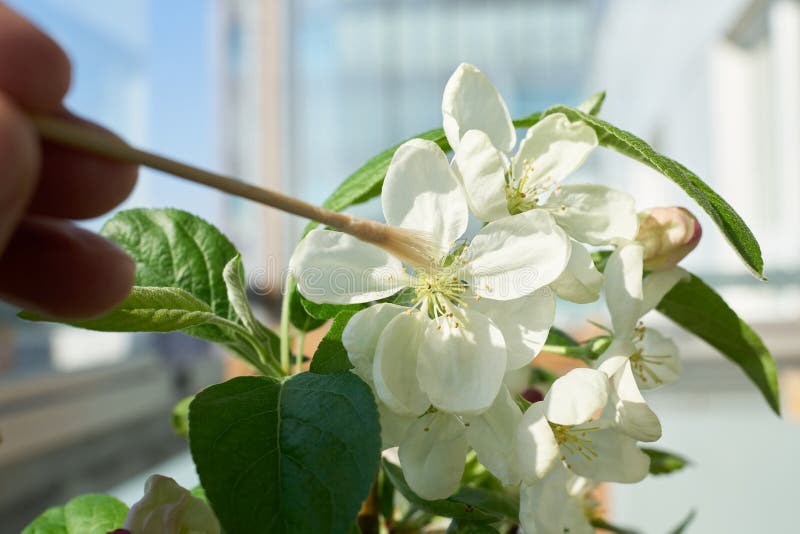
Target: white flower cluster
{"points": [[439, 345]]}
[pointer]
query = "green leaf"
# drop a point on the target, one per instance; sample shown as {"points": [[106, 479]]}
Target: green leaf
{"points": [[454, 507], [180, 417], [470, 527], [298, 316], [664, 462], [285, 457], [593, 104], [173, 248], [681, 528], [560, 338], [331, 356], [147, 309], [699, 309], [186, 256], [87, 514], [51, 521], [94, 514], [729, 222], [600, 259], [200, 493], [327, 311], [233, 274]]}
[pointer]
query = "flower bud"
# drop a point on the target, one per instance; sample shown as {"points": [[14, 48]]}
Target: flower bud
{"points": [[167, 508], [668, 235]]}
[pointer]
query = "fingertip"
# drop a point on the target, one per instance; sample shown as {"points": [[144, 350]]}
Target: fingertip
{"points": [[76, 185], [20, 158], [62, 271]]}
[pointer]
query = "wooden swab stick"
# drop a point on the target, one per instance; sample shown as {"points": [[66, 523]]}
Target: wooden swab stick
{"points": [[413, 248]]}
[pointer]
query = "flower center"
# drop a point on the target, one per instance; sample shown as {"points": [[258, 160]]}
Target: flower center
{"points": [[641, 365], [575, 440], [439, 289], [521, 194]]}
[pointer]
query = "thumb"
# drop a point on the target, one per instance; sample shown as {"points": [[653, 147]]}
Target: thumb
{"points": [[19, 167]]}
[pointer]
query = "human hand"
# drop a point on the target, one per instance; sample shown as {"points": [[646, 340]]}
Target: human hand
{"points": [[47, 264]]}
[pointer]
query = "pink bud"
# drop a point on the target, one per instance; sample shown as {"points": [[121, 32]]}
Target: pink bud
{"points": [[668, 235]]}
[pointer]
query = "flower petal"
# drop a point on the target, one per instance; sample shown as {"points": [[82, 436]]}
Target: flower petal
{"points": [[360, 335], [575, 397], [555, 147], [660, 359], [479, 166], [548, 507], [536, 445], [631, 413], [491, 434], [615, 356], [525, 323], [594, 214], [658, 284], [514, 256], [336, 268], [623, 288], [580, 282], [432, 455], [462, 362], [395, 365], [471, 102], [616, 457], [421, 193], [393, 426]]}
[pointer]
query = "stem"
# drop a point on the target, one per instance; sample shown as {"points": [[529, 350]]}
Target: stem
{"points": [[285, 316], [576, 352], [298, 358], [368, 520], [265, 364]]}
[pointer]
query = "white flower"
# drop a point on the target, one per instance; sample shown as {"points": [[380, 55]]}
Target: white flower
{"points": [[574, 426], [478, 127], [559, 503], [167, 508], [638, 358], [463, 326], [432, 445]]}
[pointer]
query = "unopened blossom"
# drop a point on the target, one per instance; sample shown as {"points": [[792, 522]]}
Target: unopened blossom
{"points": [[638, 357], [480, 131], [560, 503], [574, 426], [460, 324], [167, 508], [668, 235]]}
